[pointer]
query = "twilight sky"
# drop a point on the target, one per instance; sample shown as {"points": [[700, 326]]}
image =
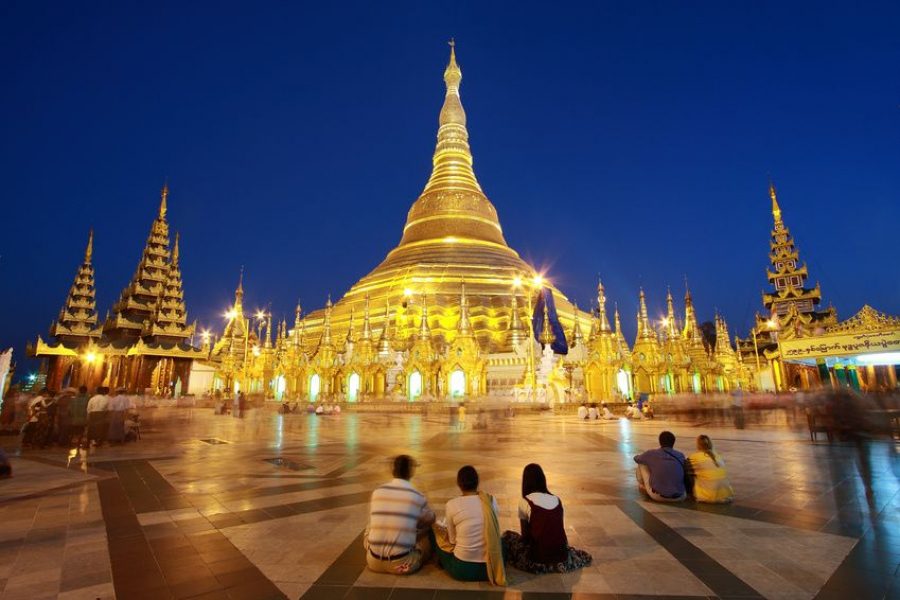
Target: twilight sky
{"points": [[629, 139]]}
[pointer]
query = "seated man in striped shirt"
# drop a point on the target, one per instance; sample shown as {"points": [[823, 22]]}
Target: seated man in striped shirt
{"points": [[396, 539]]}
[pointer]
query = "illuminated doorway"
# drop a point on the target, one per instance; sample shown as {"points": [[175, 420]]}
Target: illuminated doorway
{"points": [[415, 385], [353, 387], [457, 383], [623, 382], [280, 386], [315, 383], [698, 387]]}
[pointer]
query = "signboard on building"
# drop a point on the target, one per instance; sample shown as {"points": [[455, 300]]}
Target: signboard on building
{"points": [[840, 344]]}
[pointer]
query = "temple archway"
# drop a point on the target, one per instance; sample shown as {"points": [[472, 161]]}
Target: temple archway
{"points": [[623, 382], [457, 383], [315, 385], [415, 385], [353, 387]]}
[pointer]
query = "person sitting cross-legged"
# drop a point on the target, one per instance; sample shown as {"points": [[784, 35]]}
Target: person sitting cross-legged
{"points": [[470, 548], [710, 478], [397, 540], [542, 546], [661, 472]]}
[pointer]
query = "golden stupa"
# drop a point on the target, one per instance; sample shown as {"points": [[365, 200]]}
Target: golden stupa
{"points": [[452, 235]]}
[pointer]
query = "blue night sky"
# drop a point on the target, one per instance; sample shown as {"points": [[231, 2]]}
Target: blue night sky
{"points": [[629, 139]]}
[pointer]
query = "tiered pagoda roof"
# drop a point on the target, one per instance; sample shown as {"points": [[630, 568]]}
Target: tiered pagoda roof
{"points": [[77, 321]]}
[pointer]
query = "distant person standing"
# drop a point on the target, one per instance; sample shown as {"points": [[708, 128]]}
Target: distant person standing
{"points": [[118, 406], [77, 416], [97, 408]]}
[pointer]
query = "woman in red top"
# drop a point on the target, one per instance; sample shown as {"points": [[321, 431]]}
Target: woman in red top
{"points": [[542, 547]]}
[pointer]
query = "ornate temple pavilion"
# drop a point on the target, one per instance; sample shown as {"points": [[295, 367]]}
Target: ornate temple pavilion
{"points": [[145, 344]]}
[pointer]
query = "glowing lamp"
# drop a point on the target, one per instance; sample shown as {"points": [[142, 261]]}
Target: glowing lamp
{"points": [[517, 282], [771, 324], [408, 293], [538, 281], [231, 314], [90, 357]]}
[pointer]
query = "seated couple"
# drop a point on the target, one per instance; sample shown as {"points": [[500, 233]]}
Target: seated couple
{"points": [[666, 475], [401, 534]]}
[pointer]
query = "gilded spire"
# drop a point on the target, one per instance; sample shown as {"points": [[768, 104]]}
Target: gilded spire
{"points": [[601, 306], [547, 336], [464, 326], [516, 328], [326, 325], [367, 328], [424, 330], [452, 205], [175, 251], [644, 328], [577, 334], [671, 326], [351, 334], [384, 341], [776, 210], [239, 290], [163, 200], [89, 250], [691, 332]]}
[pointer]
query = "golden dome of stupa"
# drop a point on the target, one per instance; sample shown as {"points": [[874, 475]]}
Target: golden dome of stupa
{"points": [[452, 235]]}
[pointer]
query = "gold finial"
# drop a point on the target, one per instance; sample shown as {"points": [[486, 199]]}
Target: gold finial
{"points": [[175, 252], [547, 336], [776, 210], [164, 195], [240, 287], [89, 250], [452, 74]]}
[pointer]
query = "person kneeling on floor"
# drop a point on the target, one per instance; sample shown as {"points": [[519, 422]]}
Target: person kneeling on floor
{"points": [[397, 540]]}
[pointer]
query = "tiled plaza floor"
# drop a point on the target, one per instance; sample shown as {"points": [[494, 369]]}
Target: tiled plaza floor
{"points": [[274, 506]]}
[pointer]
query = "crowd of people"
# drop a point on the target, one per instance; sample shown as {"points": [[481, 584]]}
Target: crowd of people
{"points": [[634, 411], [403, 532], [72, 417]]}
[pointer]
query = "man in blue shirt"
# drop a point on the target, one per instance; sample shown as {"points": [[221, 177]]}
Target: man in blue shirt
{"points": [[660, 472]]}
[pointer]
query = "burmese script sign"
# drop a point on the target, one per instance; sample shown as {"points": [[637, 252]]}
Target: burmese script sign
{"points": [[841, 344]]}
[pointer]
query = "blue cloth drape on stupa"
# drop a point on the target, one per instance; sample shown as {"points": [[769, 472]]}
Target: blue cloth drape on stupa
{"points": [[545, 296]]}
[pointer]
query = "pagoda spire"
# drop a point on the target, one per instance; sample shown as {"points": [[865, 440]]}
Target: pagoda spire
{"points": [[547, 336], [170, 318], [78, 317], [351, 333], [452, 156], [516, 328], [367, 327], [671, 325], [577, 334], [776, 209], [645, 330], [384, 341], [89, 249], [464, 327], [326, 326], [297, 323], [163, 200], [601, 306], [691, 332], [138, 303], [424, 330]]}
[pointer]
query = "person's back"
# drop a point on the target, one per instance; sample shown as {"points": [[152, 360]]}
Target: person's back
{"points": [[593, 413], [661, 471], [711, 482], [395, 539], [465, 519], [582, 412]]}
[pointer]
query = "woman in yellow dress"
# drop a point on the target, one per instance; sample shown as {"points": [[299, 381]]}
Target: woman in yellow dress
{"points": [[710, 477]]}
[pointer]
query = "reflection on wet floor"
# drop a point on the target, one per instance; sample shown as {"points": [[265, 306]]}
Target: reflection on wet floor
{"points": [[273, 505]]}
